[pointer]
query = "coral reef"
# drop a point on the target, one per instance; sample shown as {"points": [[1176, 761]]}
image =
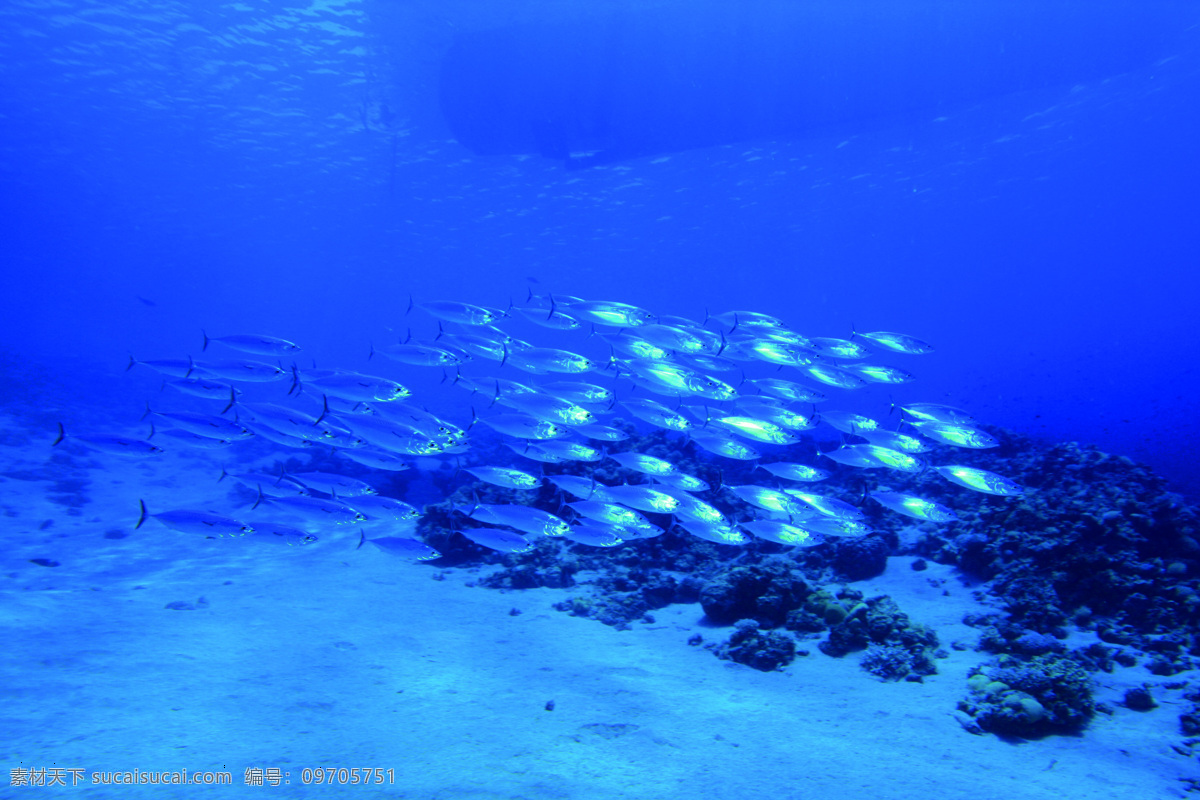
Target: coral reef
{"points": [[1048, 693], [762, 650]]}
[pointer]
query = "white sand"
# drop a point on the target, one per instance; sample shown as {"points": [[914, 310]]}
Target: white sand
{"points": [[329, 656]]}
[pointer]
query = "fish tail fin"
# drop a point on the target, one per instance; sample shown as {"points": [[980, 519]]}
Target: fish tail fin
{"points": [[141, 514], [552, 306], [205, 345], [232, 399], [724, 344], [257, 500], [324, 409], [191, 368], [371, 354], [62, 434], [148, 411], [362, 539], [224, 475], [410, 305], [474, 418], [129, 366], [503, 358]]}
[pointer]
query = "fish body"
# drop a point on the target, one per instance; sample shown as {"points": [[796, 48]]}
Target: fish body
{"points": [[601, 433], [683, 482], [275, 534], [631, 344], [549, 319], [776, 352], [522, 426], [378, 507], [551, 409], [579, 486], [249, 371], [423, 355], [697, 510], [795, 472], [498, 539], [401, 546], [834, 376], [895, 440], [610, 513], [594, 535], [172, 367], [365, 388], [203, 522], [848, 422], [831, 526], [505, 476], [258, 345], [787, 390], [673, 338], [188, 439], [315, 510], [585, 394], [874, 373], [462, 313], [757, 429], [980, 480], [376, 459], [657, 414], [523, 518], [829, 506], [782, 532], [935, 412], [646, 464], [542, 360], [330, 483], [271, 485], [957, 435], [112, 443], [205, 424], [838, 348], [768, 499], [643, 498], [204, 387], [912, 506], [720, 533], [722, 445], [477, 345], [604, 312], [896, 342], [747, 319]]}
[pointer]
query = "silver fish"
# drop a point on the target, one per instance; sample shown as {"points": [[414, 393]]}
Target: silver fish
{"points": [[401, 546], [259, 345], [112, 443], [202, 522]]}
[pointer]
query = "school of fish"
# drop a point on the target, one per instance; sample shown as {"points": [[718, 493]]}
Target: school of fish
{"points": [[696, 373]]}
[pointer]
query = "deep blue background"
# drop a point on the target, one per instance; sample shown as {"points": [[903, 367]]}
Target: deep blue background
{"points": [[285, 169]]}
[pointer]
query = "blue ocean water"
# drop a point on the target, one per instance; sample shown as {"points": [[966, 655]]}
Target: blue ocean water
{"points": [[1014, 185]]}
